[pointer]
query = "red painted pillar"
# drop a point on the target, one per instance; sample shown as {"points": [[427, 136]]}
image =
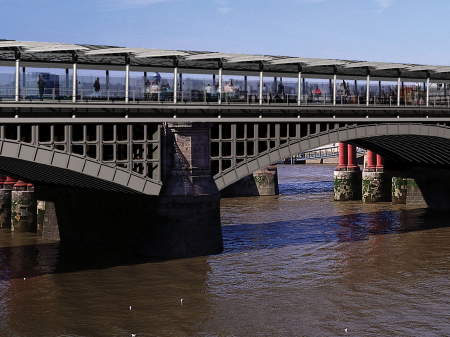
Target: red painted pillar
{"points": [[9, 183], [342, 156], [370, 159], [351, 157], [380, 162]]}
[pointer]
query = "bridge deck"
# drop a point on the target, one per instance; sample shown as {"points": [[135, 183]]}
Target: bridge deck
{"points": [[145, 112]]}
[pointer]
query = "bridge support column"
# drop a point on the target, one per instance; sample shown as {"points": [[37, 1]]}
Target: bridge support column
{"points": [[376, 185], [399, 190], [5, 202], [23, 209], [260, 183], [189, 203], [47, 221], [267, 181], [183, 221], [347, 176]]}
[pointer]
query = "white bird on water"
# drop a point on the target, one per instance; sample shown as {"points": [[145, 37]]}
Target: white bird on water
{"points": [[346, 330], [181, 301]]}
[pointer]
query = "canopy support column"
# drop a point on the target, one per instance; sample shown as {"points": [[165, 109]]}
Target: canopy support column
{"points": [[219, 93], [428, 91], [180, 84], [261, 83], [399, 82], [368, 90], [17, 89], [299, 88], [74, 83], [334, 89], [175, 82], [127, 80], [24, 82]]}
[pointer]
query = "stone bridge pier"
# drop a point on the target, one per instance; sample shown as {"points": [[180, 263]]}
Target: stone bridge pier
{"points": [[183, 221], [189, 203]]}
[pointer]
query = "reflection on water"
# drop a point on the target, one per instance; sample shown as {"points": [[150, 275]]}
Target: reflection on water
{"points": [[294, 265]]}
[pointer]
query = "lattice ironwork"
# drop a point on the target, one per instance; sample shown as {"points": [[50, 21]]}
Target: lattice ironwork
{"points": [[239, 149], [134, 147], [235, 143]]}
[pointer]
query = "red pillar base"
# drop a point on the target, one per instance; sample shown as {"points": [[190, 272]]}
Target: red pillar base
{"points": [[351, 158], [380, 163]]}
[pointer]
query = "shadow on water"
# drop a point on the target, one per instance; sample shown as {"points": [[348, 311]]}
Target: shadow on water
{"points": [[35, 259], [344, 228], [30, 260]]}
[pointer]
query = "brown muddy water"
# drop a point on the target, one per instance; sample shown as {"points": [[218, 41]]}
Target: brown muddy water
{"points": [[297, 264]]}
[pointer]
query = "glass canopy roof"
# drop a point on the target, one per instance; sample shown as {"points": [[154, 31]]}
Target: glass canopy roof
{"points": [[104, 56]]}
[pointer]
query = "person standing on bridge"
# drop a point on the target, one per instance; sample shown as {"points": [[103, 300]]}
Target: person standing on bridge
{"points": [[147, 90], [208, 91], [97, 87], [41, 86]]}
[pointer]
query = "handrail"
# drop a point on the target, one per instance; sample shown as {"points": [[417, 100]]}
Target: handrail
{"points": [[141, 95]]}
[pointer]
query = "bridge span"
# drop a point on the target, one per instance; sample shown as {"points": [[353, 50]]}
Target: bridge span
{"points": [[154, 157]]}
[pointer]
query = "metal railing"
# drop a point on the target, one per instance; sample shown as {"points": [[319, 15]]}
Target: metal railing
{"points": [[166, 96], [322, 153]]}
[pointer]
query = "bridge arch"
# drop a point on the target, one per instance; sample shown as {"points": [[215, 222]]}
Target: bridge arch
{"points": [[419, 144], [41, 164]]}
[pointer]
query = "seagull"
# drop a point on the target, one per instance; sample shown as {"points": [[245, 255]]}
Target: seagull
{"points": [[181, 301]]}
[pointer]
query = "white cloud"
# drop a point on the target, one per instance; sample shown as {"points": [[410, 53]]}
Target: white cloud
{"points": [[223, 6], [224, 10], [384, 4]]}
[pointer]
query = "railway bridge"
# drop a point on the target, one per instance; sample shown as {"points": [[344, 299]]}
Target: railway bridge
{"points": [[140, 161]]}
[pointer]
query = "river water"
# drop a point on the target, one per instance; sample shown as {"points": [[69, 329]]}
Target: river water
{"points": [[297, 264]]}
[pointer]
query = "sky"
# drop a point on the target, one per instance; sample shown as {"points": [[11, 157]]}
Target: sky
{"points": [[410, 31]]}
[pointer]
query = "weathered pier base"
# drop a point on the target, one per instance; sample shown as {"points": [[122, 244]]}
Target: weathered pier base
{"points": [[376, 187], [399, 190], [347, 176], [347, 185], [47, 221], [41, 209], [5, 202], [414, 194], [23, 208], [260, 183]]}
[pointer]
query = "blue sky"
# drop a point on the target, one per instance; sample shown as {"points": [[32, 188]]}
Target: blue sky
{"points": [[414, 31]]}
